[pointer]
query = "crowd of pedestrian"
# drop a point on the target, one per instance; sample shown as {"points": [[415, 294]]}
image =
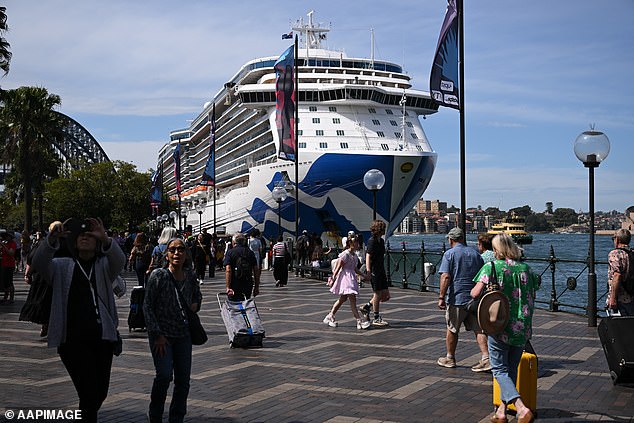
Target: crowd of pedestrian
{"points": [[73, 273]]}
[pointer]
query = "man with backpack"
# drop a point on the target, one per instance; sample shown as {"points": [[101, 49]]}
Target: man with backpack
{"points": [[303, 248], [621, 275], [241, 270]]}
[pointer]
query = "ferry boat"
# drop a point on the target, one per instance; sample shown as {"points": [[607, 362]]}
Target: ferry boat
{"points": [[354, 115], [514, 226]]}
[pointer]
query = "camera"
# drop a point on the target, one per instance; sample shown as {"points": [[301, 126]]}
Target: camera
{"points": [[78, 226]]}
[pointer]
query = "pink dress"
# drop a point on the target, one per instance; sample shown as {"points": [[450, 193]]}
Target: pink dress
{"points": [[346, 282]]}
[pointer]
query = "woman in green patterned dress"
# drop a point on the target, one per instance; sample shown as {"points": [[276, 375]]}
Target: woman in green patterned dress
{"points": [[520, 285]]}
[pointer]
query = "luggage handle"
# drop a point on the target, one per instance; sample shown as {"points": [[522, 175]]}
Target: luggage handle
{"points": [[220, 303]]}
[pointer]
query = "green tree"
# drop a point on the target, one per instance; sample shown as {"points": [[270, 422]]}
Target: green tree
{"points": [[494, 211], [523, 211], [563, 217], [549, 207], [115, 192], [28, 128], [5, 53], [538, 223]]}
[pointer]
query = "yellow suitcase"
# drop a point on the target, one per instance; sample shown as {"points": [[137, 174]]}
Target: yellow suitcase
{"points": [[526, 383]]}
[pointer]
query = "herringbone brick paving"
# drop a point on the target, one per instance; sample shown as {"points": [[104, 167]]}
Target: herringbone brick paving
{"points": [[308, 372]]}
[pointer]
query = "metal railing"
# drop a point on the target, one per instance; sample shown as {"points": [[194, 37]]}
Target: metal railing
{"points": [[417, 269]]}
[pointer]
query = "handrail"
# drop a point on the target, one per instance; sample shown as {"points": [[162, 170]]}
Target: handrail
{"points": [[407, 269]]}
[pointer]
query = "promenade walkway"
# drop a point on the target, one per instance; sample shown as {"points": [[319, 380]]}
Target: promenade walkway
{"points": [[308, 372]]}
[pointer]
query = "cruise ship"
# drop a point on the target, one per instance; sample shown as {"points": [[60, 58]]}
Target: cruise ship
{"points": [[354, 115]]}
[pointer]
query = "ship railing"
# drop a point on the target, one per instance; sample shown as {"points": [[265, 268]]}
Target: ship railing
{"points": [[559, 290]]}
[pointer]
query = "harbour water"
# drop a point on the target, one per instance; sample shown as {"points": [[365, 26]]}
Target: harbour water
{"points": [[566, 247]]}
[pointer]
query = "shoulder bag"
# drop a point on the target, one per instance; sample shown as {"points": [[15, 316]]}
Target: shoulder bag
{"points": [[196, 330]]}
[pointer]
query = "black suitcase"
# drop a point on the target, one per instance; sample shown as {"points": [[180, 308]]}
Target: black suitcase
{"points": [[135, 318], [616, 338]]}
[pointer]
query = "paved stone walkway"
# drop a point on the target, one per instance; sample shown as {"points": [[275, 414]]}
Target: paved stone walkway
{"points": [[308, 372]]}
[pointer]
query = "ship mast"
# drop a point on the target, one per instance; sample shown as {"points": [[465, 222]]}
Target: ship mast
{"points": [[311, 34]]}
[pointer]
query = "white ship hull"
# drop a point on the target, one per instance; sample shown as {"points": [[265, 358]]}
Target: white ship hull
{"points": [[354, 115]]}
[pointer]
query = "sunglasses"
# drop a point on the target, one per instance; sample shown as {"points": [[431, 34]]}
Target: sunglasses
{"points": [[176, 249]]}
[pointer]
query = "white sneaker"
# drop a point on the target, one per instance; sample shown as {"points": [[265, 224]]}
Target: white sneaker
{"points": [[330, 321], [363, 324]]}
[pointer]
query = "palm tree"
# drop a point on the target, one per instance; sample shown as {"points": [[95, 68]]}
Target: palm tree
{"points": [[5, 54], [28, 128]]}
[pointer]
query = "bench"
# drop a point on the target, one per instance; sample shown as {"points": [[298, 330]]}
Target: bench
{"points": [[313, 272]]}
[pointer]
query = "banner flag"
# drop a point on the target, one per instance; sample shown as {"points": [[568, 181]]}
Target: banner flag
{"points": [[443, 80], [155, 191], [288, 36], [285, 104], [177, 167], [209, 174]]}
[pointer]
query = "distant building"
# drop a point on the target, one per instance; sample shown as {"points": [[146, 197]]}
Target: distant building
{"points": [[430, 224], [628, 221], [439, 207], [423, 207], [441, 225], [411, 224]]}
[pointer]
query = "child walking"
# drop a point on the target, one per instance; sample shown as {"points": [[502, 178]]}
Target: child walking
{"points": [[345, 284]]}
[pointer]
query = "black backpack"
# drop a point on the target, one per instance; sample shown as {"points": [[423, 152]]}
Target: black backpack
{"points": [[243, 267], [302, 243], [628, 280]]}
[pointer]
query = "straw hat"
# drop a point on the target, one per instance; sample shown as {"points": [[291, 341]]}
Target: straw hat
{"points": [[493, 312]]}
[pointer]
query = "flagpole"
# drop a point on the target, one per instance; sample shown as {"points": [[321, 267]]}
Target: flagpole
{"points": [[213, 154], [463, 190], [296, 144]]}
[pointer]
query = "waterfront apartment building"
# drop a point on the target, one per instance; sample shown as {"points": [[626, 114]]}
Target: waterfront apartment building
{"points": [[434, 207]]}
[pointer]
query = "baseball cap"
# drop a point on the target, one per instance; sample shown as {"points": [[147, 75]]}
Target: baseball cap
{"points": [[455, 234], [350, 233]]}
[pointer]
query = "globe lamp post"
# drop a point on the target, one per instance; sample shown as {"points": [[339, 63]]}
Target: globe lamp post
{"points": [[199, 208], [184, 216], [374, 181], [591, 148], [173, 216], [279, 195]]}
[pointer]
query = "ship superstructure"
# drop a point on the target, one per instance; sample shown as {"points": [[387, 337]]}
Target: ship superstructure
{"points": [[354, 115]]}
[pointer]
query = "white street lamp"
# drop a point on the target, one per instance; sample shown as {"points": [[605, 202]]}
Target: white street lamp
{"points": [[374, 180], [199, 208], [279, 195], [591, 148]]}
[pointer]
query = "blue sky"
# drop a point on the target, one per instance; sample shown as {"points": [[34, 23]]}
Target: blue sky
{"points": [[537, 74]]}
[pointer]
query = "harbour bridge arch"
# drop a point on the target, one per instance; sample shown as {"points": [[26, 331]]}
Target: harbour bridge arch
{"points": [[78, 146]]}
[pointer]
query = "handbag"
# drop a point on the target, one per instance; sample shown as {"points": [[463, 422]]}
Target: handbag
{"points": [[494, 308], [196, 330]]}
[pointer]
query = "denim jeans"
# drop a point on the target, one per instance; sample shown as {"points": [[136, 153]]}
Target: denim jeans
{"points": [[177, 361], [504, 361]]}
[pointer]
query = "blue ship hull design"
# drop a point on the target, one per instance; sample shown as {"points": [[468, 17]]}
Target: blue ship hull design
{"points": [[334, 200]]}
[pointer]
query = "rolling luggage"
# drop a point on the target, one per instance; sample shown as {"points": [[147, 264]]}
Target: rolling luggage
{"points": [[526, 381], [618, 345], [135, 318], [242, 321]]}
